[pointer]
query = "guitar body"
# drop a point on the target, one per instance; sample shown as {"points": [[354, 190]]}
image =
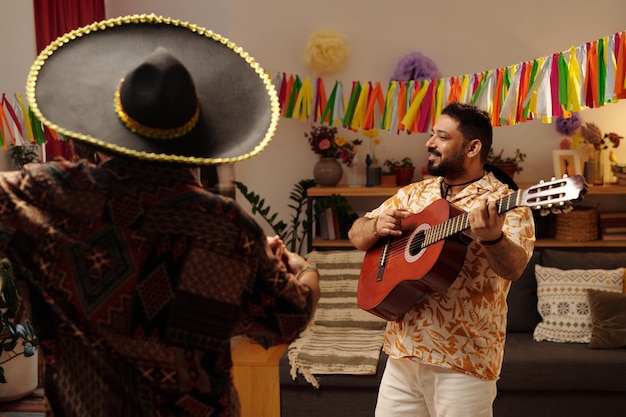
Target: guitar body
{"points": [[395, 274]]}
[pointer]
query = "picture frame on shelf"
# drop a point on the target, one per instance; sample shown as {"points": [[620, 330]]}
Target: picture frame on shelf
{"points": [[566, 162]]}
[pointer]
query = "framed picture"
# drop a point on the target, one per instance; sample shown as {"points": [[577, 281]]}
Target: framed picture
{"points": [[566, 162]]}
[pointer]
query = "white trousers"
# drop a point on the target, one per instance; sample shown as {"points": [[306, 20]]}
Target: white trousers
{"points": [[412, 389]]}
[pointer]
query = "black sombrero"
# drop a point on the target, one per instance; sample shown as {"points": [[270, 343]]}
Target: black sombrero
{"points": [[157, 89]]}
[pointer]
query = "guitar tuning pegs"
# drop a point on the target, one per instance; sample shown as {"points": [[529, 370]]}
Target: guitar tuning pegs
{"points": [[553, 179], [541, 181]]}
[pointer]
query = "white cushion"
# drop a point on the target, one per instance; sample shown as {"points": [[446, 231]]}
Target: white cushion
{"points": [[563, 302]]}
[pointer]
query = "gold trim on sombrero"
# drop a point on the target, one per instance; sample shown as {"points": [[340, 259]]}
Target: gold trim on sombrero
{"points": [[153, 132], [31, 84]]}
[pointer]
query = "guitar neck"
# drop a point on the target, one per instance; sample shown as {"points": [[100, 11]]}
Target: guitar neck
{"points": [[460, 223]]}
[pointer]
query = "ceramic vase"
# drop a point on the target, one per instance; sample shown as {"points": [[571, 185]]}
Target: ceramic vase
{"points": [[21, 373], [327, 172]]}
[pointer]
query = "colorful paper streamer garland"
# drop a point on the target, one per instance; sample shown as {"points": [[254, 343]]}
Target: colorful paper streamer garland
{"points": [[588, 76]]}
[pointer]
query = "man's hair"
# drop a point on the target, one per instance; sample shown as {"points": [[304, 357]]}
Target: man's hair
{"points": [[474, 123]]}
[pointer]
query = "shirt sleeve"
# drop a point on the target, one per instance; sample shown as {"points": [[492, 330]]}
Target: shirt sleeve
{"points": [[276, 307]]}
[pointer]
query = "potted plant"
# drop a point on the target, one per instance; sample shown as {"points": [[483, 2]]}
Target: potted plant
{"points": [[24, 154], [295, 233], [509, 164], [404, 170], [388, 176], [18, 341]]}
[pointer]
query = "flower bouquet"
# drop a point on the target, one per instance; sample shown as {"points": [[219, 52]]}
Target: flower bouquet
{"points": [[325, 142]]}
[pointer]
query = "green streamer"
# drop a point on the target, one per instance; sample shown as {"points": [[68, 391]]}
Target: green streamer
{"points": [[563, 77], [330, 106], [356, 91], [601, 73], [297, 85], [531, 81]]}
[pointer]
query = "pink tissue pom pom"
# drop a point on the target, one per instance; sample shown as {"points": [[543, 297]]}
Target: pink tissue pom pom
{"points": [[565, 144]]}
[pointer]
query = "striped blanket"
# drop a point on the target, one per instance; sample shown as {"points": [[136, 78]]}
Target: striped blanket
{"points": [[342, 338]]}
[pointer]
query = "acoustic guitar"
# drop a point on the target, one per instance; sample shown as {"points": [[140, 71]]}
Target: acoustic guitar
{"points": [[398, 272]]}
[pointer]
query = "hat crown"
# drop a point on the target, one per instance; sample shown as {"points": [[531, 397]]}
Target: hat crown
{"points": [[159, 93]]}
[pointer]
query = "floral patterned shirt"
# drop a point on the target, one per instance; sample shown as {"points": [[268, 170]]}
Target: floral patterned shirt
{"points": [[463, 327]]}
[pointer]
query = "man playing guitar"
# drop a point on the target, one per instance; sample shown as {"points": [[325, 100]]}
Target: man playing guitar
{"points": [[445, 352]]}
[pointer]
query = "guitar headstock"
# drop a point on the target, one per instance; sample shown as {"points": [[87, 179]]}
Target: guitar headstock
{"points": [[555, 193]]}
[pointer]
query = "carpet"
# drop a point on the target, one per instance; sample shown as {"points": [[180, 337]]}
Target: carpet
{"points": [[341, 338], [31, 406]]}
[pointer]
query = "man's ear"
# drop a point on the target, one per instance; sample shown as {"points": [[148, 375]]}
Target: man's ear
{"points": [[474, 147]]}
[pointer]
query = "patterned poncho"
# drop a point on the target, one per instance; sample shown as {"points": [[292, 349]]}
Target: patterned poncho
{"points": [[139, 279]]}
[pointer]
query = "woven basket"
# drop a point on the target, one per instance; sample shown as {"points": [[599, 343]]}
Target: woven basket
{"points": [[579, 225]]}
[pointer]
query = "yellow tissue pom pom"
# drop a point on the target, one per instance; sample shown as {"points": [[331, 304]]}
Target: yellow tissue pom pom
{"points": [[326, 52]]}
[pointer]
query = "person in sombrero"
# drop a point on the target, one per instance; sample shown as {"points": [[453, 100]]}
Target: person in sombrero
{"points": [[138, 276]]}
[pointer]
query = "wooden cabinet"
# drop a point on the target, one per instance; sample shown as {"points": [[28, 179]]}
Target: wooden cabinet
{"points": [[256, 377], [613, 194]]}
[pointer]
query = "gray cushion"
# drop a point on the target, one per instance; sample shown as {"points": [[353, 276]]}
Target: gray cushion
{"points": [[608, 314]]}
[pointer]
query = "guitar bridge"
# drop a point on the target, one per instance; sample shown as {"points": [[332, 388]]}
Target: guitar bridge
{"points": [[382, 262]]}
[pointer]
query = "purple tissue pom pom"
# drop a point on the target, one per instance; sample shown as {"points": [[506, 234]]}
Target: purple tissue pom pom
{"points": [[568, 126], [415, 66]]}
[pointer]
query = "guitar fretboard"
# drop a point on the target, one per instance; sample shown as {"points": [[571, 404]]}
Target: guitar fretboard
{"points": [[461, 222]]}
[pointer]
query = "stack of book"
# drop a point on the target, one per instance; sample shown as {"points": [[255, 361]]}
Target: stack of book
{"points": [[613, 226], [334, 223]]}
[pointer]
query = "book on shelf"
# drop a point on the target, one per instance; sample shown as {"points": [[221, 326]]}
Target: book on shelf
{"points": [[330, 224], [613, 229], [613, 216], [335, 223], [614, 236]]}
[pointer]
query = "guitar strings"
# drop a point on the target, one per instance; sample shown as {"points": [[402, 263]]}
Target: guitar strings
{"points": [[441, 231]]}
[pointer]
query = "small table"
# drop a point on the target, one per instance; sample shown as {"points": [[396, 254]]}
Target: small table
{"points": [[256, 377]]}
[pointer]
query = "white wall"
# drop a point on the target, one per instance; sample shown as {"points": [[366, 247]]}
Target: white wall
{"points": [[461, 37]]}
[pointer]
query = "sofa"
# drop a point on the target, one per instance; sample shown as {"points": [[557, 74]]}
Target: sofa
{"points": [[539, 378]]}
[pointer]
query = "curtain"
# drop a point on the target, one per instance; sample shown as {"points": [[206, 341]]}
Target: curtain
{"points": [[53, 18]]}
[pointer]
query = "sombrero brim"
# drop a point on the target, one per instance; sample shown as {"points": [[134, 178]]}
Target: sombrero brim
{"points": [[72, 83]]}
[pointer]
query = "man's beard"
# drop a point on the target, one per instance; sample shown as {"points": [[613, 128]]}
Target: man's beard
{"points": [[450, 167]]}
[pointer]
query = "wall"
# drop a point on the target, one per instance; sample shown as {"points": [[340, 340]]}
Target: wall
{"points": [[17, 52], [461, 39], [474, 37]]}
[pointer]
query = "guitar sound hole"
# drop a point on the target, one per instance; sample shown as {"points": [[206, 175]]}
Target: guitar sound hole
{"points": [[417, 244]]}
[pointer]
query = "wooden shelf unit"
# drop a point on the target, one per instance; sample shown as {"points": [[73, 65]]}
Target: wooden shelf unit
{"points": [[608, 190]]}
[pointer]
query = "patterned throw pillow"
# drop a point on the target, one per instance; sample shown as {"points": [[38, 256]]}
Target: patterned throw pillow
{"points": [[563, 302]]}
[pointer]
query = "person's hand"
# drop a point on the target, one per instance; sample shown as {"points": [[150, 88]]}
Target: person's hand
{"points": [[276, 247], [389, 223], [288, 261], [295, 262], [485, 222]]}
